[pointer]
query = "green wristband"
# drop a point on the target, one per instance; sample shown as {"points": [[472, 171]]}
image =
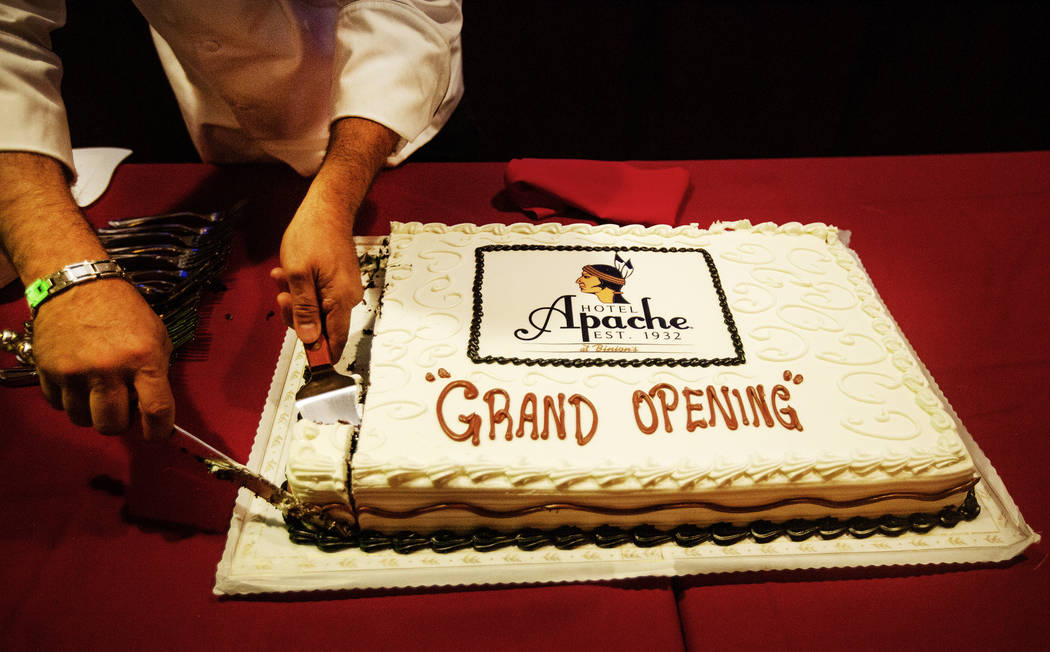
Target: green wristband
{"points": [[37, 292]]}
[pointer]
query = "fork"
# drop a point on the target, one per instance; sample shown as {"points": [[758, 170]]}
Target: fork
{"points": [[184, 217]]}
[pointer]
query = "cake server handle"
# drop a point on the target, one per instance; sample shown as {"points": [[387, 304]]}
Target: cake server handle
{"points": [[224, 467]]}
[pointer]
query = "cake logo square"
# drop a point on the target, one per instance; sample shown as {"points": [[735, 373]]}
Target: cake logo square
{"points": [[590, 306]]}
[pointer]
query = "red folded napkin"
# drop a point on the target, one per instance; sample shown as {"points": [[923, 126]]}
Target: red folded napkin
{"points": [[607, 190]]}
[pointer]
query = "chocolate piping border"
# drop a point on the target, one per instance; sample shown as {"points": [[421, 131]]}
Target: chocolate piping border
{"points": [[643, 536], [475, 323]]}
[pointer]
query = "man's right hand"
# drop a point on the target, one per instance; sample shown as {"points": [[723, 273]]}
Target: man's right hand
{"points": [[100, 350]]}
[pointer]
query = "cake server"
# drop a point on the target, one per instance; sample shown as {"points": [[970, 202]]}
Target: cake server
{"points": [[327, 396], [224, 467]]}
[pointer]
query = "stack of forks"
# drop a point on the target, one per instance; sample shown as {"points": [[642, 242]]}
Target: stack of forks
{"points": [[172, 259]]}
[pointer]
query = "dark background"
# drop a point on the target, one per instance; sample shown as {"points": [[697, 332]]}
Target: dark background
{"points": [[662, 79]]}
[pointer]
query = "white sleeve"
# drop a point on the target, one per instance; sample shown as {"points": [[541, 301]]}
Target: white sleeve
{"points": [[398, 63], [34, 117]]}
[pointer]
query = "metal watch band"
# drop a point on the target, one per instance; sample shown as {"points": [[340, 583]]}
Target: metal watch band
{"points": [[42, 289]]}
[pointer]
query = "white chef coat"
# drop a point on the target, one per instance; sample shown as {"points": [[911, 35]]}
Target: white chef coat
{"points": [[257, 80]]}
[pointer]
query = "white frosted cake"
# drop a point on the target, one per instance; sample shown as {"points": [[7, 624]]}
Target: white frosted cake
{"points": [[550, 375]]}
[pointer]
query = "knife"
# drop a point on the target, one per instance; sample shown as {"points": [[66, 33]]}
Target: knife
{"points": [[225, 468]]}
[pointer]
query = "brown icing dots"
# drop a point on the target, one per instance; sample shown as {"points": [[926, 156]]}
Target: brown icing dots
{"points": [[794, 378], [441, 373]]}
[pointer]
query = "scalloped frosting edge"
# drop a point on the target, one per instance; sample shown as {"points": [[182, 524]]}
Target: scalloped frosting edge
{"points": [[817, 229], [722, 473]]}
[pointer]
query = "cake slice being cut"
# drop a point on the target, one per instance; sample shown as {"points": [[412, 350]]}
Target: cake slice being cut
{"points": [[551, 376]]}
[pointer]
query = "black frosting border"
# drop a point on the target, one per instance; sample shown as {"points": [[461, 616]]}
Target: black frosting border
{"points": [[643, 536], [473, 342]]}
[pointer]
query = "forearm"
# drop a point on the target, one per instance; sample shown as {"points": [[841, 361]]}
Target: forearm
{"points": [[357, 150], [318, 280], [41, 226]]}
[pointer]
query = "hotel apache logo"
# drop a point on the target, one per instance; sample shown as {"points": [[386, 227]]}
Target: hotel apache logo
{"points": [[629, 306], [612, 319], [606, 282]]}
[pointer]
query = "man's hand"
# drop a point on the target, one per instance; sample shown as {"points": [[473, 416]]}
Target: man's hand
{"points": [[99, 347], [318, 282]]}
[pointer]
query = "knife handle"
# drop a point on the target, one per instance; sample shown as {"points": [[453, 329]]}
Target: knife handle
{"points": [[318, 354]]}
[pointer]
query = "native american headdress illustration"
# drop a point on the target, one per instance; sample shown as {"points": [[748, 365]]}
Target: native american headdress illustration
{"points": [[614, 276]]}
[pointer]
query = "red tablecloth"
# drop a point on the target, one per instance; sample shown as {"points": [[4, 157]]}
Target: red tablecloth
{"points": [[956, 245]]}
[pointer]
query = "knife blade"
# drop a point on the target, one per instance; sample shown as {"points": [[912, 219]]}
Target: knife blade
{"points": [[224, 467]]}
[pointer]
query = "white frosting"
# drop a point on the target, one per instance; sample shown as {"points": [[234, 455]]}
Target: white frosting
{"points": [[801, 311], [317, 456]]}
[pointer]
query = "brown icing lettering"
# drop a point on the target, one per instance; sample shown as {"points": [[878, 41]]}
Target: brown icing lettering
{"points": [[527, 414], [692, 424], [550, 413], [756, 398], [723, 406], [637, 399], [740, 403], [792, 422], [713, 402], [500, 415], [498, 402], [576, 400], [661, 391], [473, 421]]}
